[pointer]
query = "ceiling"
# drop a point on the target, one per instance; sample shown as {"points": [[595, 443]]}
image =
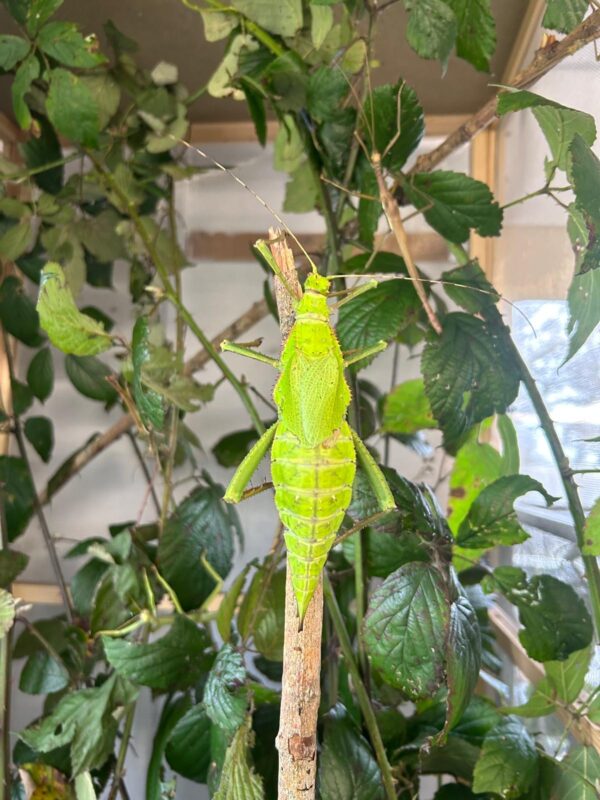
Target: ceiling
{"points": [[166, 30]]}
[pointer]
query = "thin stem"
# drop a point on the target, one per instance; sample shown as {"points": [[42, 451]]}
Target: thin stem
{"points": [[359, 687], [145, 470], [48, 540], [538, 193], [393, 379], [592, 572], [174, 298], [5, 677]]}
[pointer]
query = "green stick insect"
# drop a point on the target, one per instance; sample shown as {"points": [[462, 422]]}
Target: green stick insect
{"points": [[313, 449]]}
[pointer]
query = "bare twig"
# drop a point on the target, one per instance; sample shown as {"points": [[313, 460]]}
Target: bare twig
{"points": [[544, 60], [392, 212], [301, 686]]}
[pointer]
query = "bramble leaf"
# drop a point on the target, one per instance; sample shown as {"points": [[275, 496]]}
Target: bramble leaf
{"points": [[508, 761], [225, 693], [564, 15], [68, 329]]}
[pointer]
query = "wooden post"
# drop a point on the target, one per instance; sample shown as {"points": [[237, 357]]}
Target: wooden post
{"points": [[301, 684]]}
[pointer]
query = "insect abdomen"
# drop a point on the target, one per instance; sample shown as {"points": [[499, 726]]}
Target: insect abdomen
{"points": [[313, 489]]}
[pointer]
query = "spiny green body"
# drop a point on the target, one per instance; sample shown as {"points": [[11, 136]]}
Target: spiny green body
{"points": [[313, 448]]}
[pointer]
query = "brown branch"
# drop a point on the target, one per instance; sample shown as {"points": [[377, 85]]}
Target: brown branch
{"points": [[544, 60], [301, 680], [254, 314], [392, 213]]}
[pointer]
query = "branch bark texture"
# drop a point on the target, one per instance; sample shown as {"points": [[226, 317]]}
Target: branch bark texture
{"points": [[544, 60], [301, 685]]}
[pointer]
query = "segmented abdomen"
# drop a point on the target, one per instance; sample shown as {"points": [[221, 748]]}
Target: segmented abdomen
{"points": [[313, 489]]}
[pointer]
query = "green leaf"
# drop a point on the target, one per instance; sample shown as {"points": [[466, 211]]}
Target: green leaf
{"points": [[468, 287], [38, 12], [288, 148], [269, 622], [469, 375], [72, 109], [584, 308], [188, 748], [256, 106], [568, 677], [369, 210], [386, 551], [25, 75], [475, 467], [302, 190], [15, 241], [347, 767], [564, 15], [541, 702], [68, 329], [17, 312], [585, 169], [398, 122], [238, 780], [454, 204], [89, 376], [173, 710], [231, 450], [175, 660], [99, 236], [491, 519], [12, 50], [321, 18], [19, 494], [508, 761], [406, 627], [63, 42], [591, 542], [84, 720], [225, 693], [284, 18], [148, 402], [327, 89], [106, 95], [42, 674], [463, 658], [40, 374], [560, 124], [432, 28], [84, 787], [579, 775], [476, 41], [12, 563], [227, 607], [84, 584], [40, 434], [7, 612], [555, 619], [202, 526], [217, 25], [406, 409], [22, 397], [380, 313], [44, 149]]}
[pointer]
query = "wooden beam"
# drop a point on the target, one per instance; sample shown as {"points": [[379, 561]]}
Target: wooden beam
{"points": [[243, 131], [237, 246], [483, 168]]}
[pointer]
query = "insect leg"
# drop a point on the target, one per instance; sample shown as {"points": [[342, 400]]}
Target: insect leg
{"points": [[365, 353], [352, 293], [374, 474], [232, 347], [246, 469]]}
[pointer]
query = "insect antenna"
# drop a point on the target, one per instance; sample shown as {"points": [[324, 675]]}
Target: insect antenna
{"points": [[439, 281], [256, 196]]}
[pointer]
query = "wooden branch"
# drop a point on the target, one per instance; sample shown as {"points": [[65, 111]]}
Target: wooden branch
{"points": [[248, 319], [544, 60], [301, 681]]}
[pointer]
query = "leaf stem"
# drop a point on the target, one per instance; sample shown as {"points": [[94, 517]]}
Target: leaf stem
{"points": [[592, 572], [5, 678], [359, 687], [48, 540], [174, 298]]}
